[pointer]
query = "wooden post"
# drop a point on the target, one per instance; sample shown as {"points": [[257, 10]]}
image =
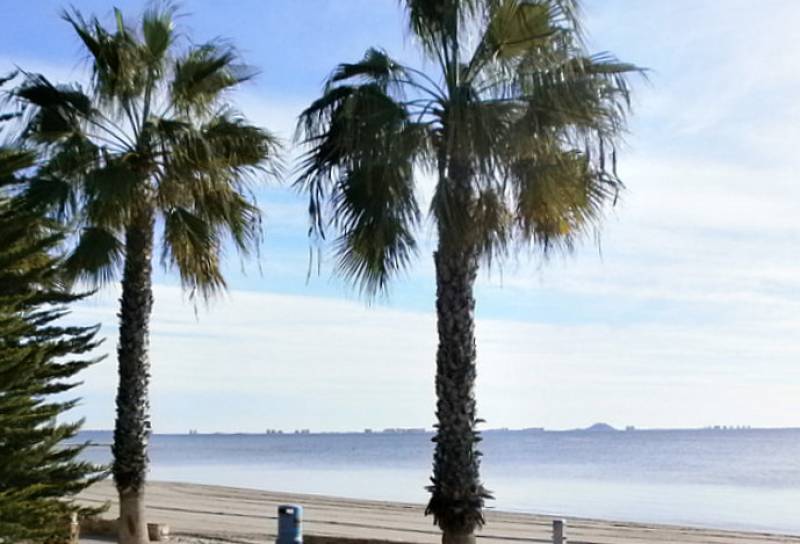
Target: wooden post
{"points": [[559, 531], [74, 529]]}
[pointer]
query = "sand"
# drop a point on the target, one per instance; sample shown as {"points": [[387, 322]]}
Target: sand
{"points": [[205, 513]]}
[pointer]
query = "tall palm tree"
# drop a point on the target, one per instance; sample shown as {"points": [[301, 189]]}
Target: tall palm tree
{"points": [[152, 144], [518, 123]]}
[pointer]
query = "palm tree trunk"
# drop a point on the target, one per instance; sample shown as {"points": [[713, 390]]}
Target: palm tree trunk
{"points": [[457, 495], [133, 426]]}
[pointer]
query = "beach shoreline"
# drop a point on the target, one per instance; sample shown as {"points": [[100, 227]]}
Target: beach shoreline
{"points": [[231, 514]]}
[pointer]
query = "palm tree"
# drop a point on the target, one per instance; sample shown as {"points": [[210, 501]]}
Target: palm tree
{"points": [[152, 144], [518, 123]]}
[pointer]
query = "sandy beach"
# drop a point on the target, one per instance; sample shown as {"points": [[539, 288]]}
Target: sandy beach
{"points": [[244, 515]]}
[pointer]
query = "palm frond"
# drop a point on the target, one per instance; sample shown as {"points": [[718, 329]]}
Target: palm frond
{"points": [[96, 257], [72, 157], [358, 173], [111, 193], [492, 225], [559, 196], [119, 64], [233, 213], [224, 144], [158, 35], [585, 93], [376, 67], [376, 212], [203, 74], [514, 28], [203, 190], [339, 127], [236, 144], [51, 194], [219, 202], [55, 112], [191, 244], [435, 23]]}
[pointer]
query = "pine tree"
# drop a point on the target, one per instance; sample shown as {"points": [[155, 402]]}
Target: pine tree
{"points": [[40, 470]]}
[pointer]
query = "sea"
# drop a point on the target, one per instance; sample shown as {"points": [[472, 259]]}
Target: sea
{"points": [[726, 479]]}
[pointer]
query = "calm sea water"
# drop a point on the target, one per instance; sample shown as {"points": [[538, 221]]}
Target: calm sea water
{"points": [[746, 479]]}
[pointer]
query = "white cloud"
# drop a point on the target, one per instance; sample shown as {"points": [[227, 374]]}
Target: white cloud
{"points": [[332, 364]]}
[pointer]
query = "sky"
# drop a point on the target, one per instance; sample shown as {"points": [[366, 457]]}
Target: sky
{"points": [[685, 314]]}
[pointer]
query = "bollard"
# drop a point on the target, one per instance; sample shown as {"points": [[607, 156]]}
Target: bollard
{"points": [[74, 529], [290, 524], [559, 531]]}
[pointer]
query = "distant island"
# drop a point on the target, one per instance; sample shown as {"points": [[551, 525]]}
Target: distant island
{"points": [[600, 428]]}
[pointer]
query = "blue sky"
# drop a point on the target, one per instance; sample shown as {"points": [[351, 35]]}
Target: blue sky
{"points": [[687, 317]]}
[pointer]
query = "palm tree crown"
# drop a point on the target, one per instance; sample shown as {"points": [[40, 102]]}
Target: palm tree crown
{"points": [[153, 131], [521, 129]]}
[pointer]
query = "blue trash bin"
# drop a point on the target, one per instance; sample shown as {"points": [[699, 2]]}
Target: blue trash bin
{"points": [[290, 524]]}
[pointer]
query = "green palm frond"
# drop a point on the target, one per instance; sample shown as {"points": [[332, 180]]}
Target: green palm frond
{"points": [[359, 169], [158, 33], [119, 64], [226, 144], [233, 212], [38, 91], [53, 194], [192, 245], [56, 112], [96, 257], [492, 224], [208, 168], [203, 74], [376, 211], [342, 125], [376, 67], [110, 194], [436, 23], [513, 29], [235, 144], [590, 93]]}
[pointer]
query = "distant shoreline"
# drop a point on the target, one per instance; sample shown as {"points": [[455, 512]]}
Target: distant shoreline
{"points": [[430, 431]]}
